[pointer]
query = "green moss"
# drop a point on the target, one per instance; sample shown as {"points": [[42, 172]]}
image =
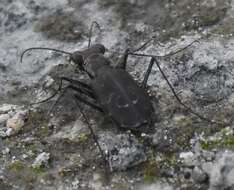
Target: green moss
{"points": [[205, 145], [44, 131], [184, 133], [35, 119], [38, 121], [24, 174], [32, 147], [150, 167], [171, 160], [19, 167], [83, 137], [229, 140], [224, 140], [150, 170], [38, 170], [209, 19], [35, 116], [16, 166], [224, 29]]}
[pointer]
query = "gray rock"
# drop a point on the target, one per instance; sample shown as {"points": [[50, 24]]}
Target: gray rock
{"points": [[6, 108], [17, 121], [123, 150], [222, 171], [156, 186], [162, 139], [41, 160], [202, 73], [12, 119], [72, 132], [199, 176]]}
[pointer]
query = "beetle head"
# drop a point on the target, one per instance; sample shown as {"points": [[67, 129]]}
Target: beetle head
{"points": [[79, 57], [98, 48]]}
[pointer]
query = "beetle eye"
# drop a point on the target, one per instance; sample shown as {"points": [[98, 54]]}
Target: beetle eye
{"points": [[77, 58]]}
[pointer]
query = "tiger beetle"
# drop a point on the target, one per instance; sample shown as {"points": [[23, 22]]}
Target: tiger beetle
{"points": [[112, 90]]}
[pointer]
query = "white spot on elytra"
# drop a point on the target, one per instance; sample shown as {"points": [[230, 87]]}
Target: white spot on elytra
{"points": [[135, 101], [123, 106]]}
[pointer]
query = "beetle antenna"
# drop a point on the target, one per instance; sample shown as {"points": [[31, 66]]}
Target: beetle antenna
{"points": [[43, 48], [151, 55], [166, 55], [145, 44], [94, 23]]}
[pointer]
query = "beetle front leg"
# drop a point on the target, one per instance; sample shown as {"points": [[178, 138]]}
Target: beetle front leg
{"points": [[86, 86], [78, 97], [91, 104]]}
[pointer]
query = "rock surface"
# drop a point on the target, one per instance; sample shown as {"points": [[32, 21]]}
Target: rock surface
{"points": [[181, 151]]}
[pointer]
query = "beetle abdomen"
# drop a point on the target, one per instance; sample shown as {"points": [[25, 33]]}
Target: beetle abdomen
{"points": [[120, 96]]}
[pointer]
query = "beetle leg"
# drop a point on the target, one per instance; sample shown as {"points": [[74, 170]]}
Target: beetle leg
{"points": [[123, 60], [95, 138], [145, 44], [91, 104], [81, 87], [146, 77], [86, 89], [80, 90], [76, 82]]}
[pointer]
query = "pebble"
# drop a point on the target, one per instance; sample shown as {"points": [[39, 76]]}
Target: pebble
{"points": [[5, 108], [123, 150], [41, 159], [199, 176], [15, 123], [222, 171], [4, 118], [6, 151]]}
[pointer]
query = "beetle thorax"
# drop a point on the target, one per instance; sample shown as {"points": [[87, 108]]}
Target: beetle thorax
{"points": [[95, 62]]}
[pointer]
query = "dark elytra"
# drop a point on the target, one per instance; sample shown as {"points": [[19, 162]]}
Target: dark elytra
{"points": [[117, 94], [121, 98]]}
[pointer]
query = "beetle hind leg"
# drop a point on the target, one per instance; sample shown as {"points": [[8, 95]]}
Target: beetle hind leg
{"points": [[123, 60]]}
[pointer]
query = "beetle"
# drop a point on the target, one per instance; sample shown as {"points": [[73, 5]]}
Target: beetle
{"points": [[118, 94], [112, 90]]}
